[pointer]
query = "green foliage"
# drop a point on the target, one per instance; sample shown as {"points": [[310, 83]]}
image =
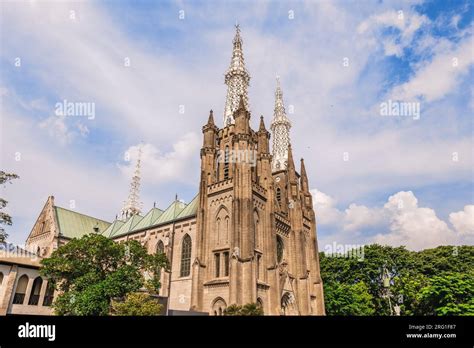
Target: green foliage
{"points": [[416, 278], [90, 271], [137, 304], [349, 299], [5, 219], [450, 294], [250, 309]]}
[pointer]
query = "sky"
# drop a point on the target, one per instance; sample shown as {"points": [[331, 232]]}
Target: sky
{"points": [[153, 70]]}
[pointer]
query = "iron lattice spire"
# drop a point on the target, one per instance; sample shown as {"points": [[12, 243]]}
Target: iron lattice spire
{"points": [[237, 80], [133, 205], [281, 131]]}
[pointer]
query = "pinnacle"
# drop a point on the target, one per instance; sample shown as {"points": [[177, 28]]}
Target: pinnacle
{"points": [[210, 121], [262, 124]]}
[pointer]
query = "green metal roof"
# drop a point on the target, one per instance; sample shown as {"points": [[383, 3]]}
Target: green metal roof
{"points": [[171, 212], [149, 219], [190, 210], [128, 226], [75, 225], [113, 228]]}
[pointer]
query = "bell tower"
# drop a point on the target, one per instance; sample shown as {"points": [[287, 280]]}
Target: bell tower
{"points": [[254, 225]]}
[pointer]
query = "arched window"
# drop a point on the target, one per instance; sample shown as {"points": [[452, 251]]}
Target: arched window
{"points": [[160, 247], [35, 291], [226, 163], [256, 228], [49, 295], [222, 226], [186, 256], [20, 291], [280, 248], [279, 195]]}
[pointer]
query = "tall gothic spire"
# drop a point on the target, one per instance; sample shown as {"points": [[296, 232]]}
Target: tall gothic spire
{"points": [[133, 206], [281, 132], [237, 80]]}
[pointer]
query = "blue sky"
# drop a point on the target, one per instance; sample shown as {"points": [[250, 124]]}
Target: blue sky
{"points": [[418, 52]]}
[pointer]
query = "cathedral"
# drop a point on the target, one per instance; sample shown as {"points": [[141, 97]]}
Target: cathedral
{"points": [[248, 236]]}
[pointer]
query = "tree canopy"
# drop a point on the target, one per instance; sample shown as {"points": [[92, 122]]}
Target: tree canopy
{"points": [[430, 282], [91, 271], [5, 219]]}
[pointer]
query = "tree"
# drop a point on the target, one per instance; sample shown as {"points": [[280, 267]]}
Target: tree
{"points": [[406, 289], [449, 294], [348, 299], [92, 270], [367, 270], [428, 282], [5, 219], [137, 304], [250, 309]]}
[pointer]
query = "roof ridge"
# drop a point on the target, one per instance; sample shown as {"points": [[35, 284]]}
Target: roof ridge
{"points": [[75, 212]]}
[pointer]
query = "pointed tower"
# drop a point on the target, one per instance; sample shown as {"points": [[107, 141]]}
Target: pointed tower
{"points": [[132, 205], [281, 132], [253, 243], [237, 80]]}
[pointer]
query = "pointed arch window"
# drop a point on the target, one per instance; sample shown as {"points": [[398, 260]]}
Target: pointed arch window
{"points": [[49, 295], [35, 291], [20, 291], [280, 248], [186, 256], [160, 247]]}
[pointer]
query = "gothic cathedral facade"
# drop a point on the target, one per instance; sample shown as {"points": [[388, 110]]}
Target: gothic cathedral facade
{"points": [[249, 236], [256, 228]]}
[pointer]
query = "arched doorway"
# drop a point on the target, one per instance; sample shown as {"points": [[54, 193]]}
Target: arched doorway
{"points": [[218, 306], [288, 305]]}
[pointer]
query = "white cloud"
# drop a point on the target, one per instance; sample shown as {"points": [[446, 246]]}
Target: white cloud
{"points": [[406, 22], [463, 221], [56, 127], [440, 77], [413, 226], [141, 102], [401, 222], [160, 167], [325, 208], [360, 216]]}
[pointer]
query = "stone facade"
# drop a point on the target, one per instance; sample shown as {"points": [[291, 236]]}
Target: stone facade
{"points": [[249, 236], [22, 289]]}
